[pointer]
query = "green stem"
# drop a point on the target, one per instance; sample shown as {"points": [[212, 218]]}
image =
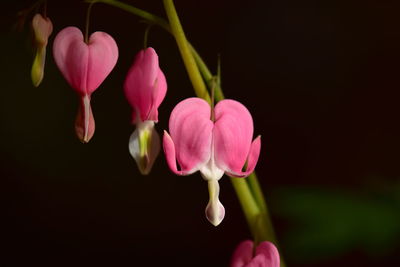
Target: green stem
{"points": [[89, 10], [136, 11], [190, 64], [263, 222], [146, 35], [206, 73], [213, 84], [249, 206], [257, 192]]}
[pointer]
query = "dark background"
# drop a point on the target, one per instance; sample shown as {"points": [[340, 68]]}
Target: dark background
{"points": [[321, 79]]}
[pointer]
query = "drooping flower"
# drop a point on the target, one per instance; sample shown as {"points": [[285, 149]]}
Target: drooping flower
{"points": [[265, 255], [213, 147], [42, 28], [84, 66], [145, 88]]}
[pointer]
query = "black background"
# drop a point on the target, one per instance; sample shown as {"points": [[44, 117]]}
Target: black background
{"points": [[321, 79]]}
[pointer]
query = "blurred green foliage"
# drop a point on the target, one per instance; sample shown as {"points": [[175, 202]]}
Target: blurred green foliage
{"points": [[325, 223]]}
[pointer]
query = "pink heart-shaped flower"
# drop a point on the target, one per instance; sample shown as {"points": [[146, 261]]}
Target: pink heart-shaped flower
{"points": [[212, 146], [84, 66], [265, 255]]}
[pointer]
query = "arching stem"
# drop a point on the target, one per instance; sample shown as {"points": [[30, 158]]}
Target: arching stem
{"points": [[89, 10]]}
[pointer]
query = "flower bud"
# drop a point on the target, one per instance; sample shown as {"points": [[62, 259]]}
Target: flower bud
{"points": [[42, 28]]}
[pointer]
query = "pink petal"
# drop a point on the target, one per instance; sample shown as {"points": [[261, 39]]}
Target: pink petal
{"points": [[103, 55], [243, 254], [191, 135], [71, 56], [266, 255], [170, 154], [84, 66], [233, 133], [160, 89], [270, 253], [251, 160], [145, 85]]}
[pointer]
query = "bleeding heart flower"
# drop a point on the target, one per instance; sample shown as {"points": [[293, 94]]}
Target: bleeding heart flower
{"points": [[84, 66], [145, 88], [42, 28], [265, 255], [211, 147]]}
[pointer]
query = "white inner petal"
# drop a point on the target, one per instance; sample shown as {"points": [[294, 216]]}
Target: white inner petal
{"points": [[144, 156], [210, 171]]}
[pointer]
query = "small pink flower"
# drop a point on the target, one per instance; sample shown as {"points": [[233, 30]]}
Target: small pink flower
{"points": [[42, 28], [84, 66], [145, 88], [211, 147], [265, 255]]}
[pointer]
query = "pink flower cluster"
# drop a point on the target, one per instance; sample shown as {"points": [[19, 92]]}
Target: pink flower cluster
{"points": [[84, 66], [213, 141]]}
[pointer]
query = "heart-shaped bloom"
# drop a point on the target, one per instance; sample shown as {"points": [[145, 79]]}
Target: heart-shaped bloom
{"points": [[265, 255], [145, 88], [213, 147], [42, 28], [84, 66]]}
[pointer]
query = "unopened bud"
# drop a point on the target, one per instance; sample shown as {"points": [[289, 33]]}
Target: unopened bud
{"points": [[42, 28]]}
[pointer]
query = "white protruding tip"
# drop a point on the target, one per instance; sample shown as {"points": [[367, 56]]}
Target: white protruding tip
{"points": [[215, 211]]}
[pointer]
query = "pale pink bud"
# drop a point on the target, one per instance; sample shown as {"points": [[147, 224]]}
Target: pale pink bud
{"points": [[42, 28], [265, 255], [84, 66]]}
